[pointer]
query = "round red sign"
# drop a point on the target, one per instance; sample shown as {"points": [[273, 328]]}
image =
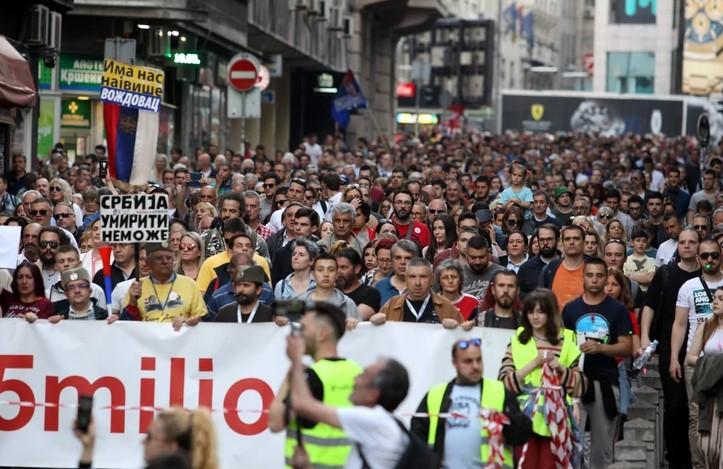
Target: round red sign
{"points": [[242, 75]]}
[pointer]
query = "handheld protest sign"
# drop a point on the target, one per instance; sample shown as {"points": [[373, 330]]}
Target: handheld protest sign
{"points": [[9, 246], [134, 218]]}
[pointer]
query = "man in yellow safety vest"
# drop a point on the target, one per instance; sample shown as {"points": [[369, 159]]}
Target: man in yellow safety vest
{"points": [[463, 413]]}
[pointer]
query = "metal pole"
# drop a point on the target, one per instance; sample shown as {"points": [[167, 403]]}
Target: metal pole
{"points": [[417, 92], [243, 125], [496, 71]]}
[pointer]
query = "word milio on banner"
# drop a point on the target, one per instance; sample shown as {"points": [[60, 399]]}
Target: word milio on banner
{"points": [[54, 386]]}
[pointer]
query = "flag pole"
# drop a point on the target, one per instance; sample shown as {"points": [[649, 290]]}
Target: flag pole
{"points": [[378, 129]]}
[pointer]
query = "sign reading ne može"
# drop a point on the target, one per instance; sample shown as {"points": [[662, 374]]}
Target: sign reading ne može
{"points": [[134, 218], [132, 85]]}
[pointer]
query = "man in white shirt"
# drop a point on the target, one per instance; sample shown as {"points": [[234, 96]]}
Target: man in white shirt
{"points": [[369, 424], [667, 249]]}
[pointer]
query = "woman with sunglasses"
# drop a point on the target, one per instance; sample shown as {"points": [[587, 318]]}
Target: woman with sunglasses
{"points": [[60, 191], [512, 219], [541, 366], [604, 215], [191, 254], [26, 298]]}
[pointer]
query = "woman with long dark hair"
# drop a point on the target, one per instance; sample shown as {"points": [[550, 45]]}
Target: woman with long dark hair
{"points": [[541, 366], [444, 236], [27, 296]]}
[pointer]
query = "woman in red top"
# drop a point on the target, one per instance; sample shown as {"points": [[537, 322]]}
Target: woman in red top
{"points": [[27, 299], [450, 278]]}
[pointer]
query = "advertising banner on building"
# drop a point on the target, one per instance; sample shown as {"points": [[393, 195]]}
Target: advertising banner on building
{"points": [[606, 115], [132, 86], [80, 73], [133, 368], [703, 48]]}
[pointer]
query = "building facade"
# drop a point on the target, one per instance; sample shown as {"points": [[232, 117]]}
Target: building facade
{"points": [[636, 47]]}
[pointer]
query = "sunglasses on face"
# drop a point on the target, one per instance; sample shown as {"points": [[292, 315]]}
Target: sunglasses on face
{"points": [[700, 227], [465, 344], [604, 217], [269, 186], [710, 255], [434, 212], [56, 189], [186, 247], [38, 212], [50, 244], [60, 216]]}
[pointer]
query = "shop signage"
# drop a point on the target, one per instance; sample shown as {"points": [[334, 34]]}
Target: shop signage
{"points": [[75, 113], [132, 85], [45, 76], [187, 58], [80, 73]]}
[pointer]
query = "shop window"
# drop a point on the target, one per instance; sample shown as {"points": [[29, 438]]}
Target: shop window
{"points": [[631, 72]]}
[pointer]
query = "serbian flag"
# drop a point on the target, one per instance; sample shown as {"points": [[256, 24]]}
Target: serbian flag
{"points": [[349, 97], [132, 135]]}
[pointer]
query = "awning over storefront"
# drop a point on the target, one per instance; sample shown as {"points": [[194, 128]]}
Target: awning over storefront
{"points": [[17, 88]]}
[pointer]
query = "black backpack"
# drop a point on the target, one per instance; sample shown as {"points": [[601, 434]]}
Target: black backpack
{"points": [[417, 455]]}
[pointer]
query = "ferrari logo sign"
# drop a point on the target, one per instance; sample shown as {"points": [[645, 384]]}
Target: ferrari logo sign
{"points": [[537, 111]]}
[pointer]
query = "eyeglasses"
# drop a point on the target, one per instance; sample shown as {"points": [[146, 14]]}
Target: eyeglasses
{"points": [[709, 255], [38, 212], [281, 201], [50, 244], [56, 189], [465, 344], [60, 216], [513, 222], [434, 212], [269, 186], [186, 247], [700, 227], [604, 217]]}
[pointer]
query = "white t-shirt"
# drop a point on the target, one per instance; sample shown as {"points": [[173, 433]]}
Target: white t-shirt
{"points": [[693, 296], [374, 429], [666, 251], [117, 296]]}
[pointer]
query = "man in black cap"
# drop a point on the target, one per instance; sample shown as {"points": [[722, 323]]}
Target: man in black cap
{"points": [[247, 286]]}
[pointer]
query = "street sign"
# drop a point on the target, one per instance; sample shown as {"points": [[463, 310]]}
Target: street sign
{"points": [[263, 80], [268, 97], [243, 71]]}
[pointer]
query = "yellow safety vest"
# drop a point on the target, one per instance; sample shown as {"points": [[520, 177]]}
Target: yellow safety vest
{"points": [[493, 398], [522, 354], [327, 446]]}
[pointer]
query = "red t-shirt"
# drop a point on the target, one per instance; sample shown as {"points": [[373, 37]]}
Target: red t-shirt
{"points": [[466, 305], [13, 307], [420, 233]]}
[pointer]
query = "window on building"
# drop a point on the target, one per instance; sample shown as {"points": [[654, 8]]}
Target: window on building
{"points": [[631, 72], [633, 11]]}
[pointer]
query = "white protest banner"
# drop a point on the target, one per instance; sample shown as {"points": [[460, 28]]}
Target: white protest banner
{"points": [[235, 369], [9, 246], [134, 218]]}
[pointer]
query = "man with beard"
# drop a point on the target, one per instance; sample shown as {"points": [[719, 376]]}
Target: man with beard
{"points": [[666, 250], [692, 309], [247, 286], [482, 189], [654, 206], [479, 271], [529, 272], [502, 314], [406, 227], [367, 299], [49, 240]]}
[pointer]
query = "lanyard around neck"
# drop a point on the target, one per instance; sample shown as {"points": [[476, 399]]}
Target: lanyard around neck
{"points": [[418, 314], [251, 316]]}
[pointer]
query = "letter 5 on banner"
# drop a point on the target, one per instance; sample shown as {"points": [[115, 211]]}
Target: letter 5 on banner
{"points": [[134, 218], [132, 86]]}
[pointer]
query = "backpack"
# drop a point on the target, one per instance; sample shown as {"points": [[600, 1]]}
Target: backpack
{"points": [[417, 455]]}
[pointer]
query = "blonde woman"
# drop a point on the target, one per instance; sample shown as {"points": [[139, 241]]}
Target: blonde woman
{"points": [[192, 251], [205, 213], [174, 432], [60, 191]]}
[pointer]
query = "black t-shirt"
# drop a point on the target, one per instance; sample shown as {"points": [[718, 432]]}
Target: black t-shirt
{"points": [[662, 294], [604, 322], [490, 319], [429, 315], [366, 295]]}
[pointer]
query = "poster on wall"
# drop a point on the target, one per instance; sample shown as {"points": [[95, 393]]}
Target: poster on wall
{"points": [[703, 48], [608, 116]]}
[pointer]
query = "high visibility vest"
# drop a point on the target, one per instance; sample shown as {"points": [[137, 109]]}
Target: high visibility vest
{"points": [[493, 398], [522, 354], [327, 446]]}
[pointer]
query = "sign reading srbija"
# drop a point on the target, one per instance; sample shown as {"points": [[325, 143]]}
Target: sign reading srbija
{"points": [[132, 368], [134, 218]]}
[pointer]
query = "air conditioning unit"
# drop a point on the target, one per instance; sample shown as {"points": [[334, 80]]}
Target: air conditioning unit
{"points": [[56, 30], [347, 26], [37, 25], [299, 5], [336, 19]]}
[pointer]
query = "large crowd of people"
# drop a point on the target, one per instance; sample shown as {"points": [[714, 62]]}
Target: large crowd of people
{"points": [[594, 250]]}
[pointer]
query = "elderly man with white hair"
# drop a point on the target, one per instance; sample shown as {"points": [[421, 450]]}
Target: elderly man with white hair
{"points": [[342, 217]]}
